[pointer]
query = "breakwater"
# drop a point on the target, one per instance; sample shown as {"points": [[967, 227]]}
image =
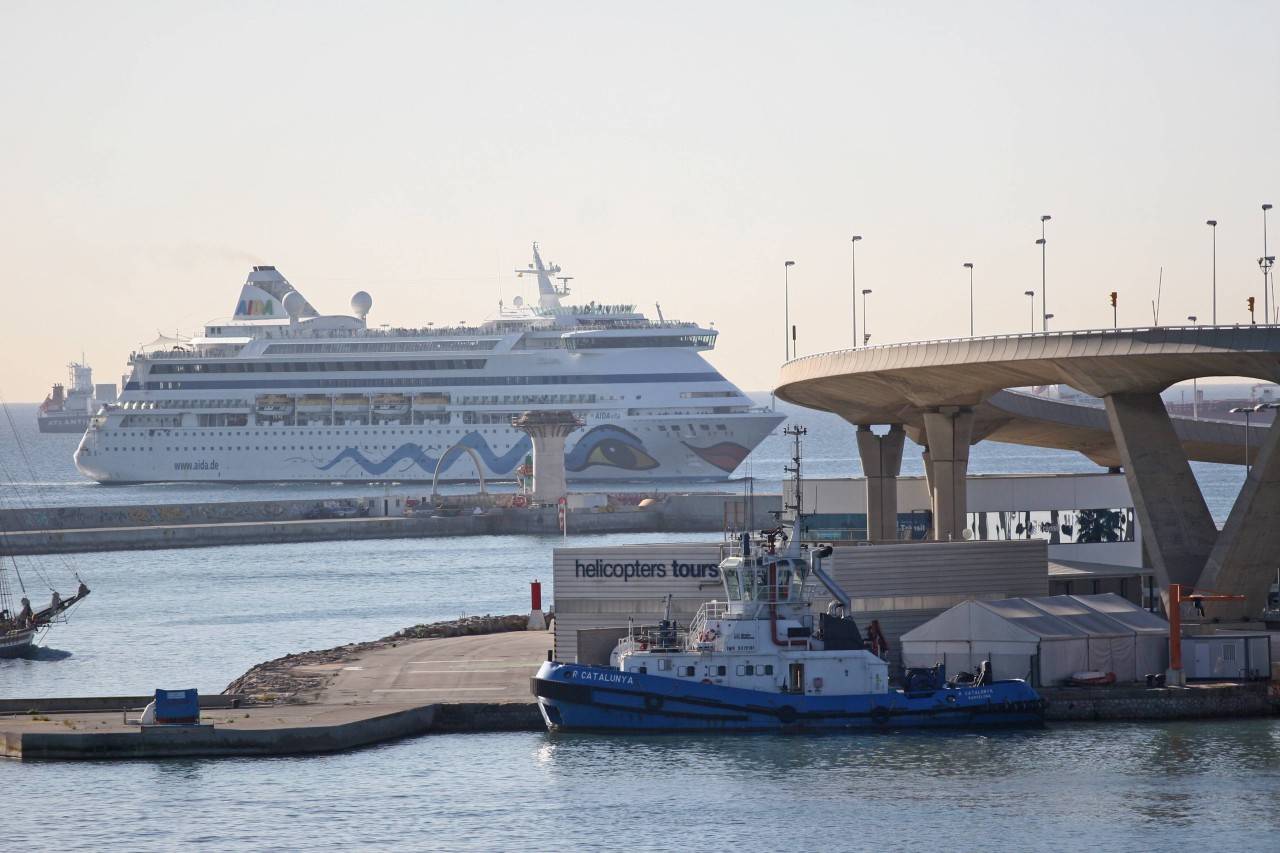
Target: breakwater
{"points": [[87, 529], [296, 678]]}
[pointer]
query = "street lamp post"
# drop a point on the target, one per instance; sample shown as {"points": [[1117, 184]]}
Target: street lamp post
{"points": [[1047, 318], [1032, 294], [1265, 263], [1213, 223], [1246, 411], [865, 336], [969, 267], [786, 308], [854, 292], [1195, 387], [1042, 242]]}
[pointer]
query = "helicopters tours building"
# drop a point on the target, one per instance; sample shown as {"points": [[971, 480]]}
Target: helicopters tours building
{"points": [[1028, 535]]}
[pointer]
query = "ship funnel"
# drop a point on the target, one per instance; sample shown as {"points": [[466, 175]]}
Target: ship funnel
{"points": [[262, 297]]}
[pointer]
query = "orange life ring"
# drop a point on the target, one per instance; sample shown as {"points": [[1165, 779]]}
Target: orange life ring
{"points": [[708, 636], [519, 501]]}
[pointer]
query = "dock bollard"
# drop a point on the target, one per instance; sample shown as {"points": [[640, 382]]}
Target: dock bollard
{"points": [[537, 622]]}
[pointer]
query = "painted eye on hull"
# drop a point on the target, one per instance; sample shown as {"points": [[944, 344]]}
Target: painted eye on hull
{"points": [[617, 454]]}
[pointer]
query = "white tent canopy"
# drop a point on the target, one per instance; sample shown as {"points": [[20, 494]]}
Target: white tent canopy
{"points": [[1044, 639]]}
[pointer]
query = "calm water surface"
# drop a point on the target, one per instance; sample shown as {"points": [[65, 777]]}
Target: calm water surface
{"points": [[201, 617], [1113, 788]]}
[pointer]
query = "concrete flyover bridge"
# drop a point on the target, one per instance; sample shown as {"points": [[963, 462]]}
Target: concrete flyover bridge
{"points": [[948, 395]]}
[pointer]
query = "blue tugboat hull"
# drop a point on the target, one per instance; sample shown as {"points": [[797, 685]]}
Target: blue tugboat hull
{"points": [[588, 698]]}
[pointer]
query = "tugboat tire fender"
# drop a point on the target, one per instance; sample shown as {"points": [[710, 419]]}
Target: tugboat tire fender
{"points": [[880, 715], [653, 703], [787, 714]]}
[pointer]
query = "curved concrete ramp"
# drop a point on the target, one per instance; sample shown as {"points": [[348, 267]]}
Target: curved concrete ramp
{"points": [[947, 395]]}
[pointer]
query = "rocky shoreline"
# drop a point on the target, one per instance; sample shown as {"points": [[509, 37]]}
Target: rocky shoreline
{"points": [[298, 678]]}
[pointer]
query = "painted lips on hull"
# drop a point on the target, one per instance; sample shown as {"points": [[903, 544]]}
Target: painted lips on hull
{"points": [[727, 455]]}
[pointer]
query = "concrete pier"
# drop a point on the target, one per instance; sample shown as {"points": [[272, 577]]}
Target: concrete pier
{"points": [[456, 684]]}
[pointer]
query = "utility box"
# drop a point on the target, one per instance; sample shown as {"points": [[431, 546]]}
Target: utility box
{"points": [[1226, 657]]}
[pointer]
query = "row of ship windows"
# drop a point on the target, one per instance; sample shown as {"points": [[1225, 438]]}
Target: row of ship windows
{"points": [[318, 366], [281, 447], [275, 433], [708, 671]]}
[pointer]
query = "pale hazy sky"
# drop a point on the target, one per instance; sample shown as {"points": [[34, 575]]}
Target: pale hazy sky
{"points": [[661, 152]]}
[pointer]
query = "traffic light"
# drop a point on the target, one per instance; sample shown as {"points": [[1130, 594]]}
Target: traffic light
{"points": [[1250, 304], [1113, 299]]}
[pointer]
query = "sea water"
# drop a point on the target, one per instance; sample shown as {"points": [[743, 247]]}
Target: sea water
{"points": [[201, 617]]}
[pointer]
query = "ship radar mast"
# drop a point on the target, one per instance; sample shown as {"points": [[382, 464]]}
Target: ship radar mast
{"points": [[548, 294]]}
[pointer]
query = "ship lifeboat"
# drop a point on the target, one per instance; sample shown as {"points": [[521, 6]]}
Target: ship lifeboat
{"points": [[430, 401], [390, 405], [351, 404], [275, 405], [315, 404]]}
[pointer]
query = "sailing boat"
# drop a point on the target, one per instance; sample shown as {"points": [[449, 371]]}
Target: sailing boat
{"points": [[18, 631], [22, 626]]}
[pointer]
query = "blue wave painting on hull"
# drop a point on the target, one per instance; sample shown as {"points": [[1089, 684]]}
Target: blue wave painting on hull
{"points": [[608, 446], [499, 464]]}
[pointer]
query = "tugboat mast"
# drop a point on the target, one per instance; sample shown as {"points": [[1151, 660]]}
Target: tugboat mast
{"points": [[796, 479]]}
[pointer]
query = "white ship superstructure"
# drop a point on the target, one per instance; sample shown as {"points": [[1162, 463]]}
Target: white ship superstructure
{"points": [[280, 392]]}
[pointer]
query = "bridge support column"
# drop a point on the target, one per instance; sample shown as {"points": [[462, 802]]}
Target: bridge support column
{"points": [[1248, 548], [948, 430], [1177, 528], [881, 464], [548, 431]]}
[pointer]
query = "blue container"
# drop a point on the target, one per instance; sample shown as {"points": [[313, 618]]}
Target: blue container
{"points": [[178, 707]]}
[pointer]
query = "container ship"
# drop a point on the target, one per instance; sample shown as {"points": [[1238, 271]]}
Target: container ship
{"points": [[69, 407]]}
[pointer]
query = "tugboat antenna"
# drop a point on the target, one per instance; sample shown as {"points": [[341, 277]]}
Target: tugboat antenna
{"points": [[796, 480]]}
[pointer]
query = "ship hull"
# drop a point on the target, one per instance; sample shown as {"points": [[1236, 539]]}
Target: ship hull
{"points": [[606, 450], [584, 698], [63, 423], [15, 644]]}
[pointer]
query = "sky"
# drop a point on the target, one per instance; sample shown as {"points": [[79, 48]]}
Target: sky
{"points": [[672, 153]]}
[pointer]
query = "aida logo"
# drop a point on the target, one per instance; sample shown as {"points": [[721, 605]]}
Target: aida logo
{"points": [[255, 308]]}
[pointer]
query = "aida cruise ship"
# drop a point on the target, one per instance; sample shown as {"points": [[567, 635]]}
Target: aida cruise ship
{"points": [[282, 393]]}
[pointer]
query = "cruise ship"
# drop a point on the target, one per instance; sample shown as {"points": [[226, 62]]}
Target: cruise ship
{"points": [[281, 392]]}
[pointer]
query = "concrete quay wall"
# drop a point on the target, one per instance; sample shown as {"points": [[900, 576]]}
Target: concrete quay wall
{"points": [[210, 740], [262, 522], [72, 704], [1199, 702]]}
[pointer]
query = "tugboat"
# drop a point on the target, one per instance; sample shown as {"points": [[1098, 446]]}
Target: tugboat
{"points": [[760, 661]]}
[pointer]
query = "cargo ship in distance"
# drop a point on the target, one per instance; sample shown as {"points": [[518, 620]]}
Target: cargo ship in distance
{"points": [[282, 393]]}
